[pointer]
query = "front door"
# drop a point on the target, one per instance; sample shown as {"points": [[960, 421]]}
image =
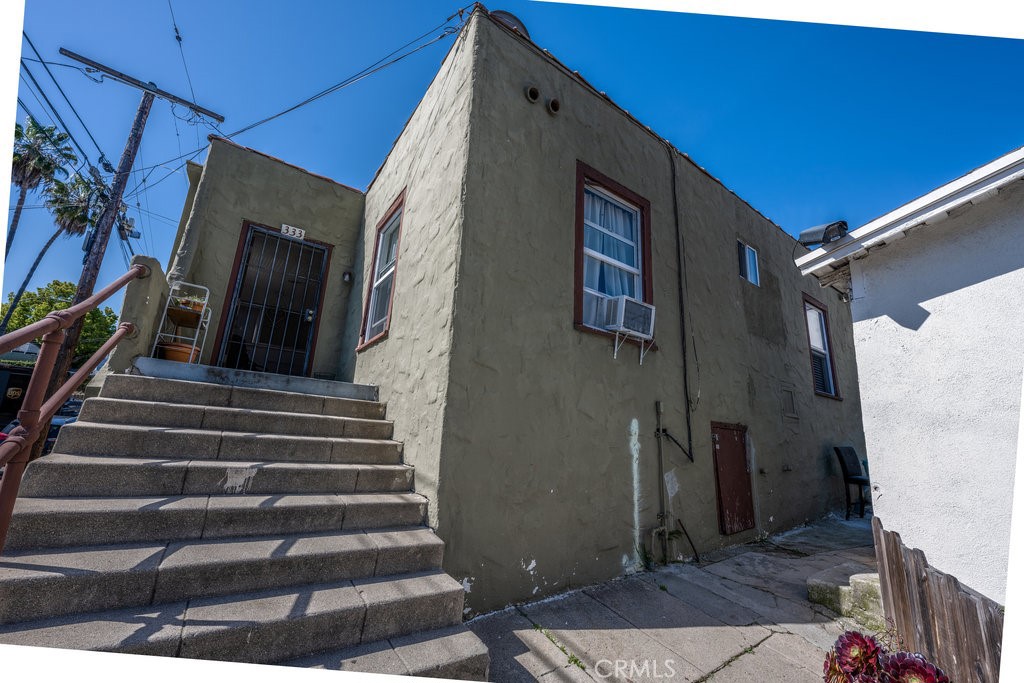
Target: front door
{"points": [[275, 303], [732, 477]]}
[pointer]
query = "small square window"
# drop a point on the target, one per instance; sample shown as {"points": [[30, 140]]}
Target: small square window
{"points": [[748, 263]]}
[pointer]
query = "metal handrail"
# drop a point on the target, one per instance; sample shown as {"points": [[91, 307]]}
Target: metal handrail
{"points": [[36, 410]]}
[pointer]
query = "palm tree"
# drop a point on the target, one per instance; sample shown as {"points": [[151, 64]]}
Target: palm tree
{"points": [[40, 155], [76, 205]]}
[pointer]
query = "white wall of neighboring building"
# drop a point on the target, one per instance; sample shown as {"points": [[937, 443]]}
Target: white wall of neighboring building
{"points": [[939, 326]]}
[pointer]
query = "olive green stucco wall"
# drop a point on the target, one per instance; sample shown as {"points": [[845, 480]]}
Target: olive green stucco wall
{"points": [[428, 163], [238, 184], [535, 486], [523, 430]]}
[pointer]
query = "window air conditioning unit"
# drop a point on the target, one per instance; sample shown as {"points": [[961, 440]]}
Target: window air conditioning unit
{"points": [[625, 315]]}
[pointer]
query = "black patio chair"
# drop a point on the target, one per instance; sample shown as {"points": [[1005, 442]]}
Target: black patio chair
{"points": [[852, 474]]}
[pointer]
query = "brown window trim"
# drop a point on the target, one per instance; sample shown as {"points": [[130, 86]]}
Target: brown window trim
{"points": [[364, 343], [229, 296], [588, 175], [808, 299]]}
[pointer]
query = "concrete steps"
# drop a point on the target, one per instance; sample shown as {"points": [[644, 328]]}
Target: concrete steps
{"points": [[211, 521], [133, 387], [40, 584], [216, 418], [126, 440], [852, 590], [263, 627], [453, 652], [62, 522], [61, 474]]}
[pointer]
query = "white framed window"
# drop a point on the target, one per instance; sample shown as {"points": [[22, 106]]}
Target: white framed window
{"points": [[822, 368], [377, 315], [612, 252], [748, 263]]}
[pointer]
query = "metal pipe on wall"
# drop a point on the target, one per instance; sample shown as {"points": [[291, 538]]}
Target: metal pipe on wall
{"points": [[662, 514]]}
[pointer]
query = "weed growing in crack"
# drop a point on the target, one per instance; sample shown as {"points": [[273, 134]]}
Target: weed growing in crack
{"points": [[573, 659]]}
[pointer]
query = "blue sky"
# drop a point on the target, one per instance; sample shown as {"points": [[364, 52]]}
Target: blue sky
{"points": [[808, 123]]}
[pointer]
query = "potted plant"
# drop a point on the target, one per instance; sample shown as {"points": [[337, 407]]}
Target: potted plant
{"points": [[190, 302], [178, 352]]}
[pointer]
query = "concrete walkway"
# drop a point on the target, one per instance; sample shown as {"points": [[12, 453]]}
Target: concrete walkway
{"points": [[740, 615]]}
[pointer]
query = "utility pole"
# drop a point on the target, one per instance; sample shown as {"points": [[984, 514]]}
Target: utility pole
{"points": [[91, 266]]}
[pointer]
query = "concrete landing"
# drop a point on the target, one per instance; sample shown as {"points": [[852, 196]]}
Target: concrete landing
{"points": [[165, 369], [741, 617]]}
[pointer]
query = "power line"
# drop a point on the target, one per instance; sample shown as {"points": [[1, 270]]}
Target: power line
{"points": [[181, 51], [85, 71], [370, 70], [56, 113], [82, 162], [355, 78], [103, 157]]}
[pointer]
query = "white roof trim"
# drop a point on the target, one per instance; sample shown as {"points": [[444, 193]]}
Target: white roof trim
{"points": [[974, 187]]}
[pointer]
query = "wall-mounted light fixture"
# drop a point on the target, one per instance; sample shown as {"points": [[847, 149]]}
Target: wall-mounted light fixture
{"points": [[823, 234]]}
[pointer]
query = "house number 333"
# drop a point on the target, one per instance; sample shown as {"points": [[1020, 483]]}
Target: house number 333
{"points": [[292, 231]]}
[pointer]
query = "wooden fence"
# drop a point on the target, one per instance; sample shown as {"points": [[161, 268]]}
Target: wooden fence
{"points": [[958, 629]]}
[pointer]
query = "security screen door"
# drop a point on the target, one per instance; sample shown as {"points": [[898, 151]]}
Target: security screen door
{"points": [[275, 304]]}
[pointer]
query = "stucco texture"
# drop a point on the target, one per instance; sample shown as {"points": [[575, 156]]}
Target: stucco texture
{"points": [[143, 299], [428, 163], [938, 331], [238, 184], [523, 429]]}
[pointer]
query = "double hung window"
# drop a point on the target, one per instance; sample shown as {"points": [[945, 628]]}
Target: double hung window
{"points": [[377, 315], [822, 367], [613, 250]]}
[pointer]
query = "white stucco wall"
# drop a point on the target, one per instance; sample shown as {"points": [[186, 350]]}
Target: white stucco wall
{"points": [[938, 326]]}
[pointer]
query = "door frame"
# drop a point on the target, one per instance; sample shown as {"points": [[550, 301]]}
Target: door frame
{"points": [[229, 295], [733, 426]]}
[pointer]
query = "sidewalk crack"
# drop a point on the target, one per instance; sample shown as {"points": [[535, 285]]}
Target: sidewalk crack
{"points": [[746, 651]]}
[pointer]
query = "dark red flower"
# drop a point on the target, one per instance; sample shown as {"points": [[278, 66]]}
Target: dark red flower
{"points": [[833, 674], [857, 655], [904, 667]]}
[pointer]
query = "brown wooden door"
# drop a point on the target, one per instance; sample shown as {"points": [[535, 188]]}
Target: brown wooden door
{"points": [[732, 478]]}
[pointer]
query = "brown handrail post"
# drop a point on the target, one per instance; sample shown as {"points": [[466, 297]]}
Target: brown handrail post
{"points": [[37, 410], [29, 428]]}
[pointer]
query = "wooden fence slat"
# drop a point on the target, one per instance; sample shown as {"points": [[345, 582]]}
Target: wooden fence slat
{"points": [[885, 586], [955, 627]]}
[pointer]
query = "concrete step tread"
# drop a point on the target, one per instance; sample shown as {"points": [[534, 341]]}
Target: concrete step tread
{"points": [[89, 560], [452, 653], [66, 474], [95, 438], [85, 505], [838, 576], [265, 626], [44, 583], [105, 410], [72, 521], [214, 394]]}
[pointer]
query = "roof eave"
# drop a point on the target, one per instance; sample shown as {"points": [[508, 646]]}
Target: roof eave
{"points": [[970, 189]]}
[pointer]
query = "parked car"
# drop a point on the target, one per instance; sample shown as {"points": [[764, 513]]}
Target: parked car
{"points": [[67, 414]]}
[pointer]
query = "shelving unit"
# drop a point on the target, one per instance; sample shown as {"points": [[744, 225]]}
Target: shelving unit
{"points": [[184, 323]]}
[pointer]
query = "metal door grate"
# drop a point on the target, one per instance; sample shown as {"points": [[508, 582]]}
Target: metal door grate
{"points": [[275, 305]]}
